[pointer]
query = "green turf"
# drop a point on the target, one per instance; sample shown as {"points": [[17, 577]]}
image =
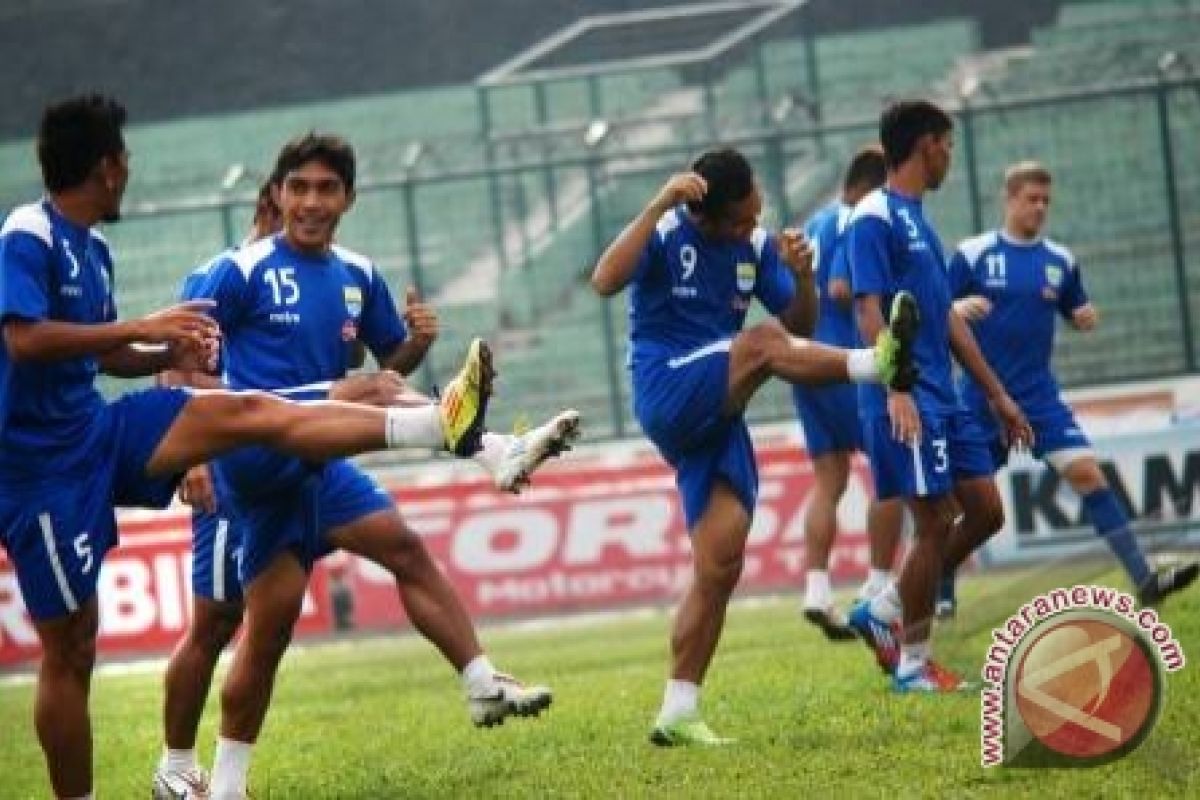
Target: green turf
{"points": [[384, 718]]}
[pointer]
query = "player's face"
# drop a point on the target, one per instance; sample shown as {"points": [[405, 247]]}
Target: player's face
{"points": [[114, 176], [937, 158], [1026, 209], [738, 220], [312, 199]]}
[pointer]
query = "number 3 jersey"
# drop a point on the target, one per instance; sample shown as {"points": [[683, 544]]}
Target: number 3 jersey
{"points": [[688, 291], [289, 319]]}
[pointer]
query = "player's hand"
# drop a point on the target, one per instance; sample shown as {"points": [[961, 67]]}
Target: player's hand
{"points": [[839, 290], [684, 187], [192, 356], [421, 319], [183, 322], [1085, 318], [973, 308], [1018, 432], [196, 489], [906, 420], [796, 252], [384, 388]]}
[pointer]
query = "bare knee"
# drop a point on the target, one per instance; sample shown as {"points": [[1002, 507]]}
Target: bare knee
{"points": [[991, 517], [720, 574], [762, 345], [406, 556], [217, 629]]}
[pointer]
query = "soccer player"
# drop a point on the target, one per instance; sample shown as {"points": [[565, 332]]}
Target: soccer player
{"points": [[829, 415], [216, 548], [695, 258], [1011, 284], [922, 445], [67, 458], [288, 306]]}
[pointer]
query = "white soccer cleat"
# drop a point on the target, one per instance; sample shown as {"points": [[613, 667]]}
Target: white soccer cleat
{"points": [[505, 696], [189, 785], [528, 451]]}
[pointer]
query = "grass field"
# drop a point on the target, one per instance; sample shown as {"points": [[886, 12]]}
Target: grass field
{"points": [[383, 718]]}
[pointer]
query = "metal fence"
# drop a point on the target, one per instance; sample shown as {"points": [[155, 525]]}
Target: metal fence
{"points": [[503, 251]]}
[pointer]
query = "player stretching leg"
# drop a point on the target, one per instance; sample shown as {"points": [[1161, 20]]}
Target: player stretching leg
{"points": [[695, 258]]}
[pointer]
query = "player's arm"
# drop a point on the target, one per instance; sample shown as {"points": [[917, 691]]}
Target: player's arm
{"points": [[870, 271], [421, 322], [967, 353], [620, 259], [1074, 303], [799, 316], [185, 327]]}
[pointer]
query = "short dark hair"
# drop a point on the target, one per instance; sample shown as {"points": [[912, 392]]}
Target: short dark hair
{"points": [[904, 123], [74, 135], [868, 168], [332, 151], [730, 179]]}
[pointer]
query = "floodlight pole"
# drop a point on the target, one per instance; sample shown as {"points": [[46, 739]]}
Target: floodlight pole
{"points": [[482, 93], [416, 272], [611, 355], [972, 163], [812, 67]]}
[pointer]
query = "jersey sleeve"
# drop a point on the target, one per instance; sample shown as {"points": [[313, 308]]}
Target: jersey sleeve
{"points": [[652, 257], [962, 278], [226, 285], [868, 253], [775, 286], [381, 329], [24, 277], [1073, 296], [839, 267]]}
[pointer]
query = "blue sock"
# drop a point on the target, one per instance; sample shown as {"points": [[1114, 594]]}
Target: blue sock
{"points": [[1113, 526]]}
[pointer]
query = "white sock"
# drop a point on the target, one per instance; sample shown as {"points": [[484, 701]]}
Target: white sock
{"points": [[415, 427], [817, 593], [478, 672], [860, 365], [681, 699], [885, 606], [912, 657], [491, 453], [877, 580], [178, 761], [231, 764]]}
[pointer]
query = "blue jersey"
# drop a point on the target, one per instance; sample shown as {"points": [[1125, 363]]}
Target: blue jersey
{"points": [[289, 319], [891, 247], [826, 232], [1028, 285], [688, 291], [51, 269]]}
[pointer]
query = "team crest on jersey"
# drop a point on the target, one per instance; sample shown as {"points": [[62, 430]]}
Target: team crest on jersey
{"points": [[353, 296], [1054, 275], [747, 272]]}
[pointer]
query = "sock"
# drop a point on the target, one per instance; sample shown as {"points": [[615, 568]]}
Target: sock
{"points": [[877, 580], [681, 699], [885, 606], [478, 672], [491, 453], [1112, 524], [230, 767], [946, 587], [415, 427], [88, 796], [178, 761], [912, 657], [860, 365], [817, 593]]}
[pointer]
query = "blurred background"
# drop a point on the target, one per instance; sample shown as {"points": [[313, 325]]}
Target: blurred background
{"points": [[502, 145]]}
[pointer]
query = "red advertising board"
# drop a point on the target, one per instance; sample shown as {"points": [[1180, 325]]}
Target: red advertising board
{"points": [[586, 537]]}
